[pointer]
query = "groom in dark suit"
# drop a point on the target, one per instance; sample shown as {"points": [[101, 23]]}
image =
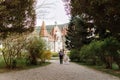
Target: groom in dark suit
{"points": [[61, 54]]}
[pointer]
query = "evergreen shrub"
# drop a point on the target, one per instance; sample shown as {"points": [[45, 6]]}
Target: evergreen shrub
{"points": [[74, 55]]}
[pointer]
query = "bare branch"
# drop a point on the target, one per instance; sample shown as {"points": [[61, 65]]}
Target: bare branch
{"points": [[43, 9]]}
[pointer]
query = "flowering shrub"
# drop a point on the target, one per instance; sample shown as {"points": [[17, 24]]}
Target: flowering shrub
{"points": [[35, 47], [46, 55]]}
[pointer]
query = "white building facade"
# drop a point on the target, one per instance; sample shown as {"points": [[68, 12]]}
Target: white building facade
{"points": [[54, 39]]}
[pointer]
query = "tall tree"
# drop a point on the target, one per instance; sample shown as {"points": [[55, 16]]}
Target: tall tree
{"points": [[16, 16], [77, 33], [105, 14]]}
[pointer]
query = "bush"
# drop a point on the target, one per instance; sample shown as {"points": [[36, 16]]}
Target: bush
{"points": [[46, 55], [74, 55], [89, 53], [110, 52], [2, 63], [105, 52], [54, 54], [12, 48], [35, 47]]}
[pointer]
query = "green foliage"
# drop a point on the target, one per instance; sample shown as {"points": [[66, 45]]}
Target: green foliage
{"points": [[35, 48], [90, 53], [74, 55], [46, 55], [77, 33], [2, 64], [105, 14], [12, 48], [18, 49], [105, 52], [21, 65], [110, 48], [54, 54], [16, 17]]}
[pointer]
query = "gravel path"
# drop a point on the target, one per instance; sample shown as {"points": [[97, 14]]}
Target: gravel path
{"points": [[56, 71]]}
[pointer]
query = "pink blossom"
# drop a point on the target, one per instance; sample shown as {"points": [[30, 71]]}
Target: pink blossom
{"points": [[67, 6]]}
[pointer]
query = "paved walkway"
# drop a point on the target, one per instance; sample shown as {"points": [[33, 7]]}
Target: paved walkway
{"points": [[55, 71]]}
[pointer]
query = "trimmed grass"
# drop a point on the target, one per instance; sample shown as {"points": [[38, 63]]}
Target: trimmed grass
{"points": [[21, 65], [115, 71]]}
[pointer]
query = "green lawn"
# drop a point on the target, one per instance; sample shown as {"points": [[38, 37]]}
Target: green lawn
{"points": [[21, 65]]}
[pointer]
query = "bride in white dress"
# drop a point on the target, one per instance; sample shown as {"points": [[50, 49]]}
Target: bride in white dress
{"points": [[66, 58]]}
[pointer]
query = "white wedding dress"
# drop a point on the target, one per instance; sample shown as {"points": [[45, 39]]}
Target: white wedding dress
{"points": [[66, 59]]}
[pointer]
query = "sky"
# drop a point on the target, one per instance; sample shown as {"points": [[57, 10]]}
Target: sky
{"points": [[51, 11]]}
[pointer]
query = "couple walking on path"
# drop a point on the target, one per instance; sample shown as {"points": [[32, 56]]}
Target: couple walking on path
{"points": [[63, 57]]}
